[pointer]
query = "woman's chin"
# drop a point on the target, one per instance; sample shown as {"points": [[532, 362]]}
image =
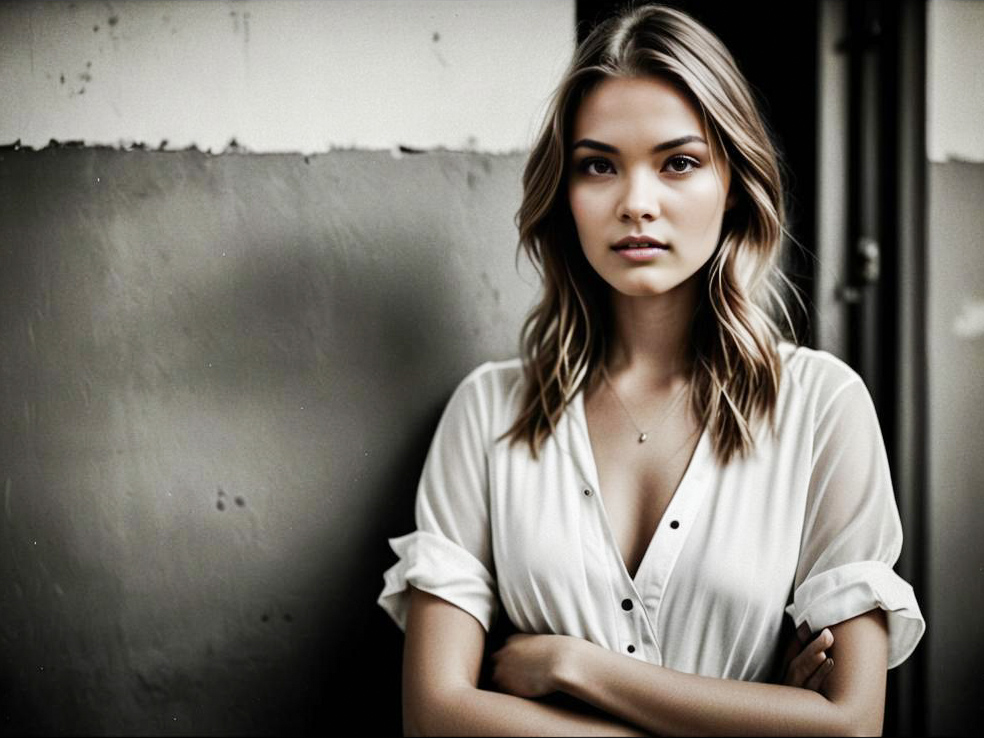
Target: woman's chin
{"points": [[649, 289]]}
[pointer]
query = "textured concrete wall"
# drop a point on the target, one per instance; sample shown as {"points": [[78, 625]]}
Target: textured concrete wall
{"points": [[218, 379], [219, 374], [955, 325]]}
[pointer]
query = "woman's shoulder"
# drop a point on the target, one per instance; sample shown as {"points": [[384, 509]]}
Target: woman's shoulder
{"points": [[488, 391], [493, 377], [815, 374]]}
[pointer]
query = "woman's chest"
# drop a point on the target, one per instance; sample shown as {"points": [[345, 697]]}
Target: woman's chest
{"points": [[637, 478], [720, 555]]}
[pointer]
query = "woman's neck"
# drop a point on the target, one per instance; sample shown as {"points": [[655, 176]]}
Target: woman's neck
{"points": [[651, 335]]}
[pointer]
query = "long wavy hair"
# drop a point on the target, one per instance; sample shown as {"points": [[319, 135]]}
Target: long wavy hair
{"points": [[734, 360]]}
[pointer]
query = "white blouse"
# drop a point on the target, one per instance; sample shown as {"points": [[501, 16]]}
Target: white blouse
{"points": [[807, 525]]}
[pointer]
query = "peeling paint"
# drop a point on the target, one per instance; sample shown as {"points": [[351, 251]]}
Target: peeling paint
{"points": [[272, 74], [233, 147]]}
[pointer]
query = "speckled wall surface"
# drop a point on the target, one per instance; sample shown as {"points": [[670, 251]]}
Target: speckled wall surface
{"points": [[218, 380]]}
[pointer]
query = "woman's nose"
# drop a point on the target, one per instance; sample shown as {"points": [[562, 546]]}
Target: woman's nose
{"points": [[640, 199]]}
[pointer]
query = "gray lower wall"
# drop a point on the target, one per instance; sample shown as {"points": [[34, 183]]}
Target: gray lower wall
{"points": [[955, 556], [218, 380]]}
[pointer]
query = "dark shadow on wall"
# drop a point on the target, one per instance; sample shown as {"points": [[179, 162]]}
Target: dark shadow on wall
{"points": [[220, 379]]}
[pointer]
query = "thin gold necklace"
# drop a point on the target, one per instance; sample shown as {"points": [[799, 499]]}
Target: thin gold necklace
{"points": [[643, 434]]}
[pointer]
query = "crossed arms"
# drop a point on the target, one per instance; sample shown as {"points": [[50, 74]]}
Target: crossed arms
{"points": [[443, 658]]}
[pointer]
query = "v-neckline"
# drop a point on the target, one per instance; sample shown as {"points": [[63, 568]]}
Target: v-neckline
{"points": [[695, 461]]}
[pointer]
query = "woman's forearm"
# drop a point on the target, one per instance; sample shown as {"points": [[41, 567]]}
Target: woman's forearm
{"points": [[471, 711], [668, 702]]}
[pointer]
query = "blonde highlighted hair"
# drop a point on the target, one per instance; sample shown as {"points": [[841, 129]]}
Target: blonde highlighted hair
{"points": [[735, 366]]}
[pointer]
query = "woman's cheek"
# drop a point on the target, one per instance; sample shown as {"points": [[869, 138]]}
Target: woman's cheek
{"points": [[586, 209], [706, 209], [577, 203]]}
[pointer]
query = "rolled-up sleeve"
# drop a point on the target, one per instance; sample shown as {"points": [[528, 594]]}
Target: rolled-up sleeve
{"points": [[852, 534], [449, 555]]}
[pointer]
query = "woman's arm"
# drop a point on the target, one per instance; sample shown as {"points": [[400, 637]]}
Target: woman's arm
{"points": [[441, 662], [667, 702]]}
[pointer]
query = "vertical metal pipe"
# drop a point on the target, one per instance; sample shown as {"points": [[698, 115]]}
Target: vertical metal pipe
{"points": [[908, 212]]}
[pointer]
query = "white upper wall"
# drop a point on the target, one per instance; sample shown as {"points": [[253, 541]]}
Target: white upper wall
{"points": [[954, 80], [282, 75]]}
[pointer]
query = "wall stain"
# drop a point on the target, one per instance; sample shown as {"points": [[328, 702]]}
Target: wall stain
{"points": [[245, 24], [440, 57], [222, 497]]}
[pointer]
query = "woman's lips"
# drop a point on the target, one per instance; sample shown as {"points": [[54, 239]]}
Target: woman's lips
{"points": [[639, 248], [642, 254], [638, 242]]}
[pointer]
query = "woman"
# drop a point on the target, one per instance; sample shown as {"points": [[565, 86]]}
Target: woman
{"points": [[662, 479]]}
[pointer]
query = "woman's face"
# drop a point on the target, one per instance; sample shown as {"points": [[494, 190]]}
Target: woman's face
{"points": [[647, 198]]}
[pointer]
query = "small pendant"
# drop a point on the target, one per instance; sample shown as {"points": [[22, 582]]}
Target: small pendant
{"points": [[643, 437]]}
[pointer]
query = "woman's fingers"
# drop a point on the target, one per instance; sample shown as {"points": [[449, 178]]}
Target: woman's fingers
{"points": [[809, 668], [816, 678]]}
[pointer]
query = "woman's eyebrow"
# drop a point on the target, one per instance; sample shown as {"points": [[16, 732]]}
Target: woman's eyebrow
{"points": [[590, 143]]}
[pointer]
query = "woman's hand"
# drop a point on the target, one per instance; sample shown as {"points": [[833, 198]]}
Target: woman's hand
{"points": [[810, 667], [528, 664]]}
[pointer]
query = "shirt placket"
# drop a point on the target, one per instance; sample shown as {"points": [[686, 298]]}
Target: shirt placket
{"points": [[653, 576], [634, 605]]}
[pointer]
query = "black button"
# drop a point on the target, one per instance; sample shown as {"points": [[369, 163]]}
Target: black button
{"points": [[631, 649], [626, 605], [675, 524], [587, 493]]}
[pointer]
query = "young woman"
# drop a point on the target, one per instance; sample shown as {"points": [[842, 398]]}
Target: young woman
{"points": [[661, 480]]}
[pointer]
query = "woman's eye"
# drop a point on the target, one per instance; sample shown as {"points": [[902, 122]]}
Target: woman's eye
{"points": [[596, 167], [682, 164]]}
